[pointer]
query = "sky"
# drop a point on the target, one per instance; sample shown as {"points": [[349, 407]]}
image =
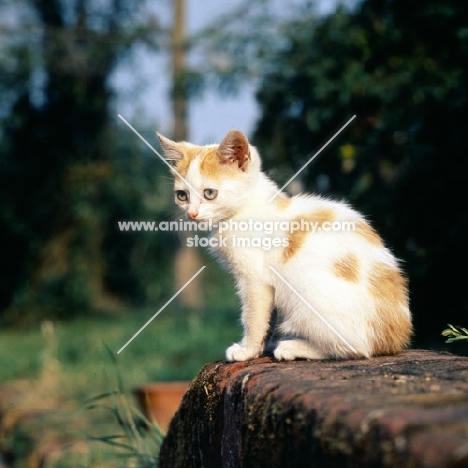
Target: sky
{"points": [[142, 81], [212, 115]]}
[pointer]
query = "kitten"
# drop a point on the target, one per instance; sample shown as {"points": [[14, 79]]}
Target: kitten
{"points": [[339, 292]]}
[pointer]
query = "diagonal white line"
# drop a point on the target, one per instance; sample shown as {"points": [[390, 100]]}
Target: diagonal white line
{"points": [[162, 158], [161, 309], [313, 310], [312, 158]]}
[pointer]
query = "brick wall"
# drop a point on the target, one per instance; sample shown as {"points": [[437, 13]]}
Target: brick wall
{"points": [[400, 411]]}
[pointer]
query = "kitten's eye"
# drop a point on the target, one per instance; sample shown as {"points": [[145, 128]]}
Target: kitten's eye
{"points": [[181, 195], [210, 194]]}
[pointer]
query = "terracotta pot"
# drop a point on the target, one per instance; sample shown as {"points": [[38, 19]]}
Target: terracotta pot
{"points": [[160, 401]]}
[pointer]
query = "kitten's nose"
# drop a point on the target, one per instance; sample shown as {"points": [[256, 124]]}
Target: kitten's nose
{"points": [[192, 214]]}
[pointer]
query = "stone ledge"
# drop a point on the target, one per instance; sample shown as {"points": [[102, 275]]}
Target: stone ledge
{"points": [[409, 410]]}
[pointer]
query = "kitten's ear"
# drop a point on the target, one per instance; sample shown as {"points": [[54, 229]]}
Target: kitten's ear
{"points": [[234, 148], [171, 150]]}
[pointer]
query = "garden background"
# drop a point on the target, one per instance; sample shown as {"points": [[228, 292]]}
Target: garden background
{"points": [[73, 286]]}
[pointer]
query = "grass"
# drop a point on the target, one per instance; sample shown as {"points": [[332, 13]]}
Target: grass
{"points": [[58, 367], [173, 346]]}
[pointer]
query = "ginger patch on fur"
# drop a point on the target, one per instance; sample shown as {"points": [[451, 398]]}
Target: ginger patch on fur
{"points": [[190, 153], [282, 201], [321, 215], [388, 284], [296, 241], [210, 165], [297, 238], [347, 268], [391, 327], [368, 233]]}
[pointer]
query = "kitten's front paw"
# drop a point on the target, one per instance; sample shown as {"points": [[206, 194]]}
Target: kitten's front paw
{"points": [[285, 352], [288, 350], [239, 352]]}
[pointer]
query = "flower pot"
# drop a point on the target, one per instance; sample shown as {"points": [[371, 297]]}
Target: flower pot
{"points": [[160, 401]]}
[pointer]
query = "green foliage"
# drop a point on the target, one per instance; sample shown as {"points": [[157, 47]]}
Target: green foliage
{"points": [[400, 161], [67, 173], [67, 366], [455, 333], [139, 441], [231, 48]]}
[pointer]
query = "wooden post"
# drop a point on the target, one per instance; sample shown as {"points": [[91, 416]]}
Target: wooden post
{"points": [[187, 260], [180, 97]]}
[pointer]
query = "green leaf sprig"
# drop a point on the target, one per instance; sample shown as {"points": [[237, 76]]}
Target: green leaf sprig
{"points": [[455, 333]]}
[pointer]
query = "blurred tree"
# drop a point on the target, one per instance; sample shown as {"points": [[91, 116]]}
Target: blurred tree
{"points": [[63, 178], [66, 174], [402, 67]]}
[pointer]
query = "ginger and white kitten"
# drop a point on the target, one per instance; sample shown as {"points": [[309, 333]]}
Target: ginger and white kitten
{"points": [[339, 294]]}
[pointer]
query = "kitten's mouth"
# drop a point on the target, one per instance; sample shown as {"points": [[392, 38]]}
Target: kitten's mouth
{"points": [[198, 219]]}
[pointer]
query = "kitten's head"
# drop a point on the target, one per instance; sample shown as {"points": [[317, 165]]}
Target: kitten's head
{"points": [[213, 182]]}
